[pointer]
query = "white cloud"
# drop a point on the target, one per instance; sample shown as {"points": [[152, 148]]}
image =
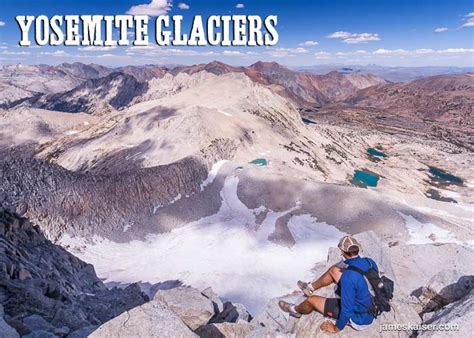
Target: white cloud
{"points": [[322, 55], [138, 48], [239, 6], [154, 8], [468, 20], [441, 29], [383, 51], [298, 50], [232, 53], [108, 55], [354, 38], [455, 51], [283, 52], [422, 51], [309, 43], [355, 53], [394, 53], [96, 48], [399, 57], [362, 38], [55, 53], [7, 52], [2, 23], [339, 35], [183, 6], [154, 50], [237, 53]]}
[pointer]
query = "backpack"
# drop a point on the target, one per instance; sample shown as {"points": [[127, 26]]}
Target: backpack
{"points": [[382, 289]]}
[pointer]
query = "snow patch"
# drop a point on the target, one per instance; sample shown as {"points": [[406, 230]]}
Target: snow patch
{"points": [[425, 233], [128, 226], [451, 194], [227, 251], [176, 199], [212, 174], [226, 114], [156, 207]]}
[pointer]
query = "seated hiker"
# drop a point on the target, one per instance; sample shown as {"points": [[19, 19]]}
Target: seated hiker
{"points": [[353, 306]]}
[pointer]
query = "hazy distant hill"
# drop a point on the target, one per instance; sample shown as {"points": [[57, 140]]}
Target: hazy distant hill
{"points": [[393, 74]]}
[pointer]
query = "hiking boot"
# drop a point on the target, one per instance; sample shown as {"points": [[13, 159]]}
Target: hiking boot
{"points": [[287, 307], [306, 288]]}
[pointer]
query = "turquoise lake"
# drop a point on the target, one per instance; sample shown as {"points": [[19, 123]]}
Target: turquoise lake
{"points": [[442, 177], [375, 152], [365, 178], [259, 162]]}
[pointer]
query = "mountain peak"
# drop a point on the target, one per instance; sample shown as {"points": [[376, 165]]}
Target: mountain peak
{"points": [[266, 66]]}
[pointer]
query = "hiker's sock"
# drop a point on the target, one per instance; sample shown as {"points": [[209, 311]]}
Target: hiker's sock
{"points": [[310, 286], [292, 308]]}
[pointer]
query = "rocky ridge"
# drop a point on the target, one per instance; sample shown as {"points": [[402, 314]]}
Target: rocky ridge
{"points": [[46, 291], [113, 91], [89, 84], [77, 197], [447, 98]]}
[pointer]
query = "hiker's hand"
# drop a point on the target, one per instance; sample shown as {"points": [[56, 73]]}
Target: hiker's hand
{"points": [[329, 326]]}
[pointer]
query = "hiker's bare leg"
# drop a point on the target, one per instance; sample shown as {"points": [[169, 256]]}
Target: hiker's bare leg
{"points": [[310, 304], [333, 275]]}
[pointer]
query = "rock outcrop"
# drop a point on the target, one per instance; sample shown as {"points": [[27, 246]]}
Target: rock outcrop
{"points": [[181, 312], [153, 319], [45, 289], [456, 318], [221, 330], [6, 330], [444, 288], [189, 304]]}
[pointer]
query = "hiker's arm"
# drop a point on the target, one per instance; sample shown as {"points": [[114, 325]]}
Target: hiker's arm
{"points": [[347, 301]]}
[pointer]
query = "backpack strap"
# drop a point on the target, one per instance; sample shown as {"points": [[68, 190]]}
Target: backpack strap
{"points": [[371, 309], [356, 269], [362, 272], [368, 261]]}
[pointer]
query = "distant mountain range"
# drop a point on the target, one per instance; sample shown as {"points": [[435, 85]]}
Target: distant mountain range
{"points": [[36, 84], [93, 88], [392, 74]]}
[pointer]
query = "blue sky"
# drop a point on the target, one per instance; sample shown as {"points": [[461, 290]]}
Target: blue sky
{"points": [[391, 33]]}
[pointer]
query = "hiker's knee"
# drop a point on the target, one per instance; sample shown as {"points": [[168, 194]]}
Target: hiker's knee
{"points": [[317, 302], [335, 272]]}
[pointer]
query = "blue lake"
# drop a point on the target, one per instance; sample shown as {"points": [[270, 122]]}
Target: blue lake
{"points": [[441, 177], [365, 178], [259, 162], [375, 152]]}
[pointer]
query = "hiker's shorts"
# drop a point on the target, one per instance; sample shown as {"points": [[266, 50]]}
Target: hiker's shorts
{"points": [[332, 307]]}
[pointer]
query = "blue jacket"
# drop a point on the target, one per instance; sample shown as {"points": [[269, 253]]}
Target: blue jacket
{"points": [[355, 295]]}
